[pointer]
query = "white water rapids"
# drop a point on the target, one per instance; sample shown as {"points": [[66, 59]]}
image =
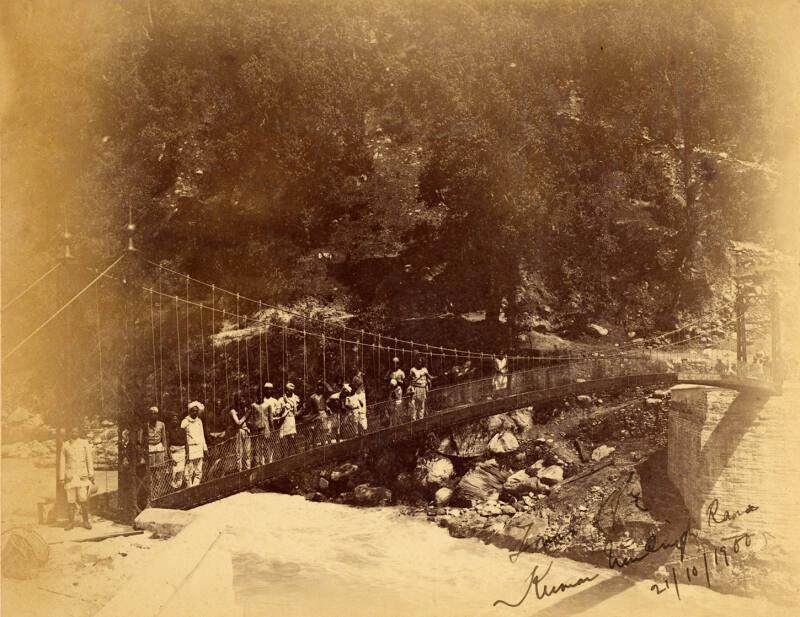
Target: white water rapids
{"points": [[292, 557]]}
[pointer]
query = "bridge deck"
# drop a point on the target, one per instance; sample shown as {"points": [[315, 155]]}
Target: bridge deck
{"points": [[448, 406]]}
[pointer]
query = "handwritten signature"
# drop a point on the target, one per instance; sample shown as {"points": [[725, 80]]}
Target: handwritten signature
{"points": [[715, 518], [541, 590], [537, 545]]}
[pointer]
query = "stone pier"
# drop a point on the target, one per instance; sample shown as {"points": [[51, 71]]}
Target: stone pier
{"points": [[730, 447]]}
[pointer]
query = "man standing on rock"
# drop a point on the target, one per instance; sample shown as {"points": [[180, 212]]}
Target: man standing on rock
{"points": [[76, 473], [420, 384], [196, 448]]}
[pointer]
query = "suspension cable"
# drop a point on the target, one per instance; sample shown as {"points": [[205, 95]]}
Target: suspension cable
{"points": [[188, 358], [153, 339], [260, 364], [213, 357], [285, 358], [63, 308], [324, 374], [31, 286], [238, 351], [266, 347], [203, 351], [305, 363], [99, 348], [179, 354], [160, 347]]}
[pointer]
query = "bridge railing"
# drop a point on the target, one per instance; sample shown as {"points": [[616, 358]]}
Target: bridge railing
{"points": [[234, 454]]}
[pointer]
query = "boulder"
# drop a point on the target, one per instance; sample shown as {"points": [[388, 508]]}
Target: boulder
{"points": [[17, 450], [439, 471], [584, 400], [163, 522], [532, 470], [323, 484], [551, 475], [406, 482], [508, 509], [499, 423], [443, 496], [523, 419], [524, 532], [653, 402], [584, 450], [521, 483], [661, 394], [367, 495], [600, 452], [482, 483], [503, 443], [465, 526], [628, 514], [490, 508], [597, 330], [18, 416], [343, 471]]}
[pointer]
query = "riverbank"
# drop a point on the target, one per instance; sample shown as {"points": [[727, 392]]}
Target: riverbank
{"points": [[81, 574]]}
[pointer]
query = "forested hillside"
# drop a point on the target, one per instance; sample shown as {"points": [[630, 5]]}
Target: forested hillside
{"points": [[546, 160]]}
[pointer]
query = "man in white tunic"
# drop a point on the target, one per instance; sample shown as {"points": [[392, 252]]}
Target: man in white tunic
{"points": [[76, 473], [196, 448]]}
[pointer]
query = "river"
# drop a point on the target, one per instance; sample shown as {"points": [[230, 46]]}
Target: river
{"points": [[291, 557]]}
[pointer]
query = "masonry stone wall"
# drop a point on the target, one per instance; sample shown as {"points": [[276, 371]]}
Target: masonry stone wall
{"points": [[731, 447]]}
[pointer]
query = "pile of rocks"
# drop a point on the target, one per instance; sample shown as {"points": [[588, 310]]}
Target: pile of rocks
{"points": [[104, 440], [42, 452], [23, 425], [26, 436]]}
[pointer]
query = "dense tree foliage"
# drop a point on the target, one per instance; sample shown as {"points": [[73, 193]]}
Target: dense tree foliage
{"points": [[477, 155]]}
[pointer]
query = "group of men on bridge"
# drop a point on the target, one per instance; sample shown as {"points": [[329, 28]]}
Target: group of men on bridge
{"points": [[263, 430]]}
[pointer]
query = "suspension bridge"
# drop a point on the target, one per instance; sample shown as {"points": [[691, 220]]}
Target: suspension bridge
{"points": [[156, 337]]}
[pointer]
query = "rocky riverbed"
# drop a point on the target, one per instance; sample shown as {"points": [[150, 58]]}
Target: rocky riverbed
{"points": [[546, 472], [26, 436]]}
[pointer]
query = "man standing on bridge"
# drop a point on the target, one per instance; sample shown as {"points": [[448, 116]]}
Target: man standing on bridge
{"points": [[177, 450], [500, 379], [356, 407], [196, 448], [396, 373], [259, 420], [395, 402], [288, 405], [420, 384], [319, 407]]}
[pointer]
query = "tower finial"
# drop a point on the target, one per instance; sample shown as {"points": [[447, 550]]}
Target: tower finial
{"points": [[67, 248], [131, 229]]}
